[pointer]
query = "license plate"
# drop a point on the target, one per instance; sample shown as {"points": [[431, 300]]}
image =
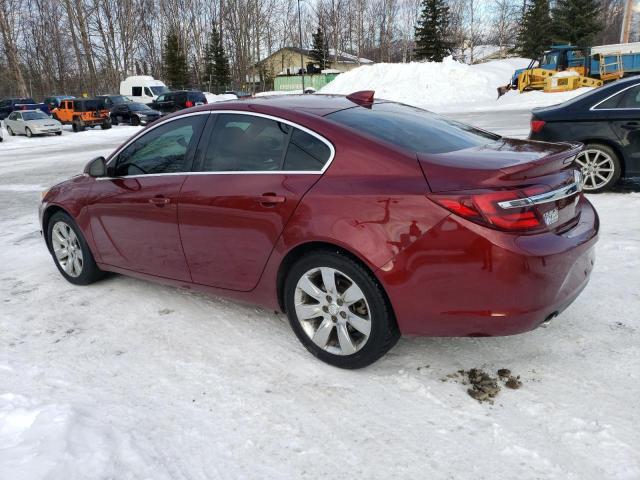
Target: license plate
{"points": [[550, 216]]}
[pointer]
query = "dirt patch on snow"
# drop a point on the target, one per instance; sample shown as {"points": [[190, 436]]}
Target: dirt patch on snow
{"points": [[483, 386]]}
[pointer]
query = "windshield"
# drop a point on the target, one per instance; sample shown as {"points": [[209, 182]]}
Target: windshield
{"points": [[34, 115], [136, 107], [412, 128], [159, 90], [550, 58]]}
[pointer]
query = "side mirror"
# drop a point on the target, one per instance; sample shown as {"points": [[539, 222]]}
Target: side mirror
{"points": [[96, 167]]}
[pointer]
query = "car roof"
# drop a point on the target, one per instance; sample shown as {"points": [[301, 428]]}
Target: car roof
{"points": [[315, 104]]}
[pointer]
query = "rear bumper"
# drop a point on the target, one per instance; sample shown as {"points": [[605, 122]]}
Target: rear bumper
{"points": [[461, 279]]}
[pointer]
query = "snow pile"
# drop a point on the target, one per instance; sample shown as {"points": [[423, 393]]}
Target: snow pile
{"points": [[445, 86], [213, 98]]}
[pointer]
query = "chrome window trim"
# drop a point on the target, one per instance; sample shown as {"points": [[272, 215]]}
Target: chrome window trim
{"points": [[252, 172], [560, 193], [594, 107]]}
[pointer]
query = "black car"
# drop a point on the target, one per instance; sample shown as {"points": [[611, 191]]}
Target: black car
{"points": [[8, 105], [111, 101], [607, 121], [173, 101], [133, 113]]}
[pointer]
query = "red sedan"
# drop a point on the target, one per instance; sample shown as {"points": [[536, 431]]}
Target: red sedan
{"points": [[361, 219]]}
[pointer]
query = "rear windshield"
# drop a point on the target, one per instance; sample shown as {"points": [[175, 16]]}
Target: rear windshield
{"points": [[412, 128]]}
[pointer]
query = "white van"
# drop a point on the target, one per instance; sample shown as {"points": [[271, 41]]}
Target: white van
{"points": [[142, 88]]}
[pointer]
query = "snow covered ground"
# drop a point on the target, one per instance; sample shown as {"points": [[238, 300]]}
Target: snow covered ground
{"points": [[126, 379]]}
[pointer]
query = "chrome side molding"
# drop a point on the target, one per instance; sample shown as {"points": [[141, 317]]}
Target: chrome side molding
{"points": [[564, 192]]}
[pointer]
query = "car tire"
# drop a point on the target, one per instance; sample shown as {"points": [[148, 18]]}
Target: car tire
{"points": [[10, 131], [114, 120], [106, 125], [59, 133], [600, 166], [135, 121], [337, 330], [28, 132], [79, 266]]}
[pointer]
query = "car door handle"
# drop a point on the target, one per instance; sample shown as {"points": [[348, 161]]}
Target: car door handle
{"points": [[631, 126], [269, 199], [159, 201]]}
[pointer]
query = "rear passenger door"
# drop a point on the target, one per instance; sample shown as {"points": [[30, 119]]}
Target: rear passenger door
{"points": [[251, 173]]}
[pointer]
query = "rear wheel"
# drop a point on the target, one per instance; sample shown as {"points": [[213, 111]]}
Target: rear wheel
{"points": [[338, 311], [70, 251], [28, 132], [114, 120], [78, 126], [600, 167], [59, 133]]}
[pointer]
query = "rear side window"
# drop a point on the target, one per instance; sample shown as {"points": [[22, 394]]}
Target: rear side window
{"points": [[412, 128], [197, 97], [136, 91], [165, 149], [245, 143], [305, 152]]}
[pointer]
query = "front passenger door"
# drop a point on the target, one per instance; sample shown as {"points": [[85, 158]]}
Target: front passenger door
{"points": [[133, 212], [625, 121]]}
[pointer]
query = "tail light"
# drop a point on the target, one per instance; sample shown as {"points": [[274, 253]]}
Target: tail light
{"points": [[188, 104], [484, 208], [537, 125]]}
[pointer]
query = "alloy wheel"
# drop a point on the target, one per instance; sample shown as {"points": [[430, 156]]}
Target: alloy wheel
{"points": [[67, 249], [597, 168], [332, 310]]}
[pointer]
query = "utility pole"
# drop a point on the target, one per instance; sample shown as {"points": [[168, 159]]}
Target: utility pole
{"points": [[626, 22], [300, 44]]}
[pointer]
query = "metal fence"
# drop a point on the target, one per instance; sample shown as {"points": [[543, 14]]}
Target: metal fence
{"points": [[294, 82]]}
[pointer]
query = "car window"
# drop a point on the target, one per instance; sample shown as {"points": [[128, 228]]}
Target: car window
{"points": [[609, 103], [164, 149], [147, 92], [160, 98], [412, 128], [256, 148], [305, 152], [136, 91], [13, 116], [630, 98]]}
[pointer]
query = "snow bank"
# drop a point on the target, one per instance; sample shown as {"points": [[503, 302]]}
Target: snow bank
{"points": [[445, 86], [213, 98]]}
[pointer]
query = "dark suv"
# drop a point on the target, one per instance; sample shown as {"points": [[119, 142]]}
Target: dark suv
{"points": [[173, 101]]}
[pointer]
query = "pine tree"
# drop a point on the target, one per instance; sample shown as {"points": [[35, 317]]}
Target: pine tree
{"points": [[217, 69], [320, 50], [576, 21], [535, 32], [175, 61], [432, 42]]}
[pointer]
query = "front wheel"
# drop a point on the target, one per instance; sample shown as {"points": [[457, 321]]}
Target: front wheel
{"points": [[10, 131], [28, 132], [600, 167], [70, 251], [338, 310], [106, 125]]}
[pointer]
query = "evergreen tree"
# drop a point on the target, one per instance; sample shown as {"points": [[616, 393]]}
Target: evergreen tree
{"points": [[576, 21], [535, 32], [320, 50], [217, 68], [432, 42], [175, 61]]}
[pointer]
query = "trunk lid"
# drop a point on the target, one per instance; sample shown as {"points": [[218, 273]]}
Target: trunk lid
{"points": [[507, 178]]}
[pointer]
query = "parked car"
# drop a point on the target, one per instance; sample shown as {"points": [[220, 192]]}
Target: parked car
{"points": [[31, 122], [360, 219], [82, 113], [607, 121], [133, 113], [54, 101], [174, 101], [142, 88], [239, 93], [8, 105], [112, 101]]}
